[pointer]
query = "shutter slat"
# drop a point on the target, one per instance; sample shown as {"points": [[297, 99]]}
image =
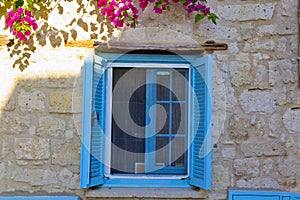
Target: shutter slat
{"points": [[200, 170]]}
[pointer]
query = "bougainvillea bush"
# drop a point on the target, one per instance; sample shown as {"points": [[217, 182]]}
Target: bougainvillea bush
{"points": [[120, 13]]}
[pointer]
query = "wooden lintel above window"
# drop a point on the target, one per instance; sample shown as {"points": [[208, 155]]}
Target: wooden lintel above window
{"points": [[209, 46]]}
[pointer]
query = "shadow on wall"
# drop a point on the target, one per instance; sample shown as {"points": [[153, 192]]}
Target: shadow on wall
{"points": [[40, 125], [98, 28]]}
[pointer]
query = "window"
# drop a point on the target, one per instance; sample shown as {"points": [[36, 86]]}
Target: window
{"points": [[135, 91], [146, 121]]}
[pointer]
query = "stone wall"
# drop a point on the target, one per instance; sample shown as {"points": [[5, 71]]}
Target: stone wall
{"points": [[256, 101]]}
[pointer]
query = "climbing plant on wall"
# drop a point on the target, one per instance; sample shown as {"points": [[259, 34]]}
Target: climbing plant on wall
{"points": [[22, 23], [29, 21]]}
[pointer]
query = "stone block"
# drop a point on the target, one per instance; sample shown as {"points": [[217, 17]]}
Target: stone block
{"points": [[65, 153], [258, 183], [269, 148], [282, 46], [12, 124], [246, 31], [155, 35], [282, 71], [51, 126], [289, 168], [267, 167], [229, 152], [262, 101], [244, 57], [288, 182], [36, 177], [289, 8], [238, 127], [218, 32], [10, 105], [291, 120], [276, 126], [246, 167], [259, 56], [266, 30], [60, 102], [217, 196], [32, 148], [221, 177], [255, 45], [261, 77], [5, 146], [246, 12], [68, 179], [240, 73], [287, 26], [3, 170], [31, 101]]}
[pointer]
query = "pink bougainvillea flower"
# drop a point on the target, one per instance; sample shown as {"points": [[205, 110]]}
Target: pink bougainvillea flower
{"points": [[28, 13], [11, 13], [119, 12], [27, 33], [21, 23]]}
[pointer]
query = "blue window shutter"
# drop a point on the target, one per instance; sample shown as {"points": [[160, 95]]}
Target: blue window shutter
{"points": [[296, 197], [201, 109], [93, 122]]}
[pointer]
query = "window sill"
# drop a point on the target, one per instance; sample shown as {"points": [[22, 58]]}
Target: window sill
{"points": [[182, 193]]}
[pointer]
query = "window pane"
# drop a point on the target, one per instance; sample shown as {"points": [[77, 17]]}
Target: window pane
{"points": [[178, 149], [179, 85], [163, 85], [178, 118], [162, 151], [162, 118], [128, 143]]}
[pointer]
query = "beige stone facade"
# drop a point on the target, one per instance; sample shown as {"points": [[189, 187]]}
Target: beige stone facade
{"points": [[256, 98]]}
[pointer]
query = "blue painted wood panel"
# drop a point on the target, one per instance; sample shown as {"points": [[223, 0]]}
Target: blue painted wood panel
{"points": [[201, 110], [261, 195], [93, 122], [256, 197], [39, 198]]}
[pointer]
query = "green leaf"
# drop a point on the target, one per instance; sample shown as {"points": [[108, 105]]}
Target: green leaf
{"points": [[19, 3], [214, 21], [183, 1], [133, 24], [157, 4], [199, 17], [168, 8], [213, 17], [29, 4]]}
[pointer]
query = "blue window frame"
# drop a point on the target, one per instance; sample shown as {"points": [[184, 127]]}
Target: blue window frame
{"points": [[39, 198], [159, 146], [195, 163], [261, 195]]}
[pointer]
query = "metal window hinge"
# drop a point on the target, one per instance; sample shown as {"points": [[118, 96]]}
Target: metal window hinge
{"points": [[211, 45]]}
